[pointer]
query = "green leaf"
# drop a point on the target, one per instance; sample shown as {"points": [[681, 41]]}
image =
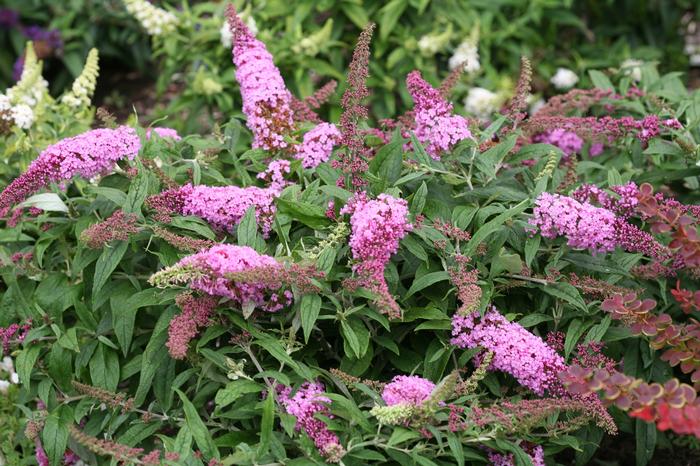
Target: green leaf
{"points": [[235, 390], [390, 16], [266, 424], [153, 356], [573, 334], [54, 436], [199, 430], [420, 152], [356, 335], [309, 214], [137, 192], [387, 163], [124, 314], [492, 226], [456, 448], [46, 201], [600, 80], [426, 280], [645, 436], [248, 229], [532, 245], [310, 307], [419, 198], [566, 292], [25, 363], [104, 368], [106, 264]]}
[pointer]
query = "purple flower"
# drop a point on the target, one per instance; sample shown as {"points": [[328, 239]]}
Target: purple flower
{"points": [[407, 389], [9, 18], [515, 350], [305, 404], [567, 141], [317, 145], [436, 127]]}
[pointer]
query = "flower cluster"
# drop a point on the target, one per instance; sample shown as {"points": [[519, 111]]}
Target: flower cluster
{"points": [[481, 102], [435, 126], [466, 55], [317, 145], [564, 78], [117, 227], [535, 452], [84, 85], [377, 227], [274, 175], [208, 271], [567, 141], [222, 206], [13, 332], [515, 350], [156, 21], [407, 389], [266, 100], [8, 376], [19, 104], [88, 154], [305, 404], [584, 225], [196, 313]]}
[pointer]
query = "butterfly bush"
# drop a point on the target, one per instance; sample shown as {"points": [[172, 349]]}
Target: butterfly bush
{"points": [[92, 153], [377, 226], [407, 389], [266, 100], [515, 350], [223, 207], [317, 145], [435, 126], [305, 404], [209, 271]]}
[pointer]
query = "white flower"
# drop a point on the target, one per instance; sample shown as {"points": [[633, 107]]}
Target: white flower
{"points": [[467, 52], [84, 85], [536, 105], [6, 365], [14, 378], [4, 385], [564, 78], [481, 102], [156, 21], [23, 116], [227, 35], [632, 68]]}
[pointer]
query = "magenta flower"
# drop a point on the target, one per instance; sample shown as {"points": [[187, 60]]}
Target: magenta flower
{"points": [[584, 226], [377, 227], [407, 389], [567, 141], [317, 145], [274, 175], [305, 404], [435, 126], [266, 100], [196, 313], [221, 206], [88, 154], [212, 272], [515, 350]]}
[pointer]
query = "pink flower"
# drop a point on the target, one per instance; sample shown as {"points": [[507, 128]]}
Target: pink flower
{"points": [[164, 133], [88, 154], [584, 226], [515, 350], [377, 227], [196, 313], [405, 389], [266, 100], [222, 206], [212, 272], [567, 141], [535, 452], [275, 175], [435, 126], [305, 404], [317, 145]]}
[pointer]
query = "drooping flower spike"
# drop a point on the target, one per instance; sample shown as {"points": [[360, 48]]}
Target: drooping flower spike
{"points": [[94, 152]]}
